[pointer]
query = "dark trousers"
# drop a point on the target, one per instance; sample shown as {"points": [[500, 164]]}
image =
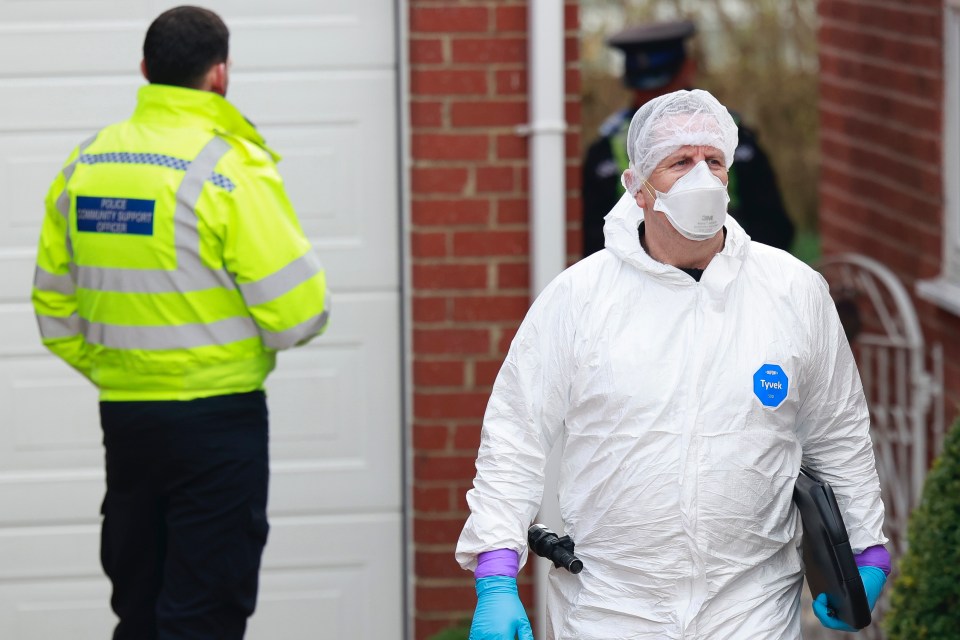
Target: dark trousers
{"points": [[184, 516]]}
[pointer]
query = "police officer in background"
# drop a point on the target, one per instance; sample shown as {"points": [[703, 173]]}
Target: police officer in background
{"points": [[656, 63]]}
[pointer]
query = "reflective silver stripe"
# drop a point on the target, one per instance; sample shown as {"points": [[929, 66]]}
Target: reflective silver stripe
{"points": [[151, 280], [63, 200], [277, 284], [46, 281], [191, 274], [184, 336], [54, 327], [186, 224], [294, 336]]}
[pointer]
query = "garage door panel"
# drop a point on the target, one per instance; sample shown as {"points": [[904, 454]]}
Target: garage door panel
{"points": [[20, 336], [338, 576], [320, 393], [343, 206], [297, 490], [36, 12], [320, 81], [335, 577], [68, 551], [72, 608], [321, 174], [60, 497], [74, 104], [101, 37], [317, 38], [50, 416], [325, 430], [339, 154], [17, 267]]}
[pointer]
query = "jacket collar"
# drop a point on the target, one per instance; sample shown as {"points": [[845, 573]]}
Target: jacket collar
{"points": [[203, 109], [620, 236]]}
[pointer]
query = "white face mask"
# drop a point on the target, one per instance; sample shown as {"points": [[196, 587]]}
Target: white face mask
{"points": [[696, 204]]}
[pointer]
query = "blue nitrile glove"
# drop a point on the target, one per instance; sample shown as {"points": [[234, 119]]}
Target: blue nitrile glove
{"points": [[873, 581], [500, 614]]}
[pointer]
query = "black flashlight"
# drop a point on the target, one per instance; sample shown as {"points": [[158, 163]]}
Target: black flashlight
{"points": [[558, 550]]}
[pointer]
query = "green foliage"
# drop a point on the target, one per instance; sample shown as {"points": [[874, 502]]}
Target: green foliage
{"points": [[459, 632], [806, 246], [925, 599]]}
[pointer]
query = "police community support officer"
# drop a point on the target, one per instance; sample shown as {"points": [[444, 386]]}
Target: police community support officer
{"points": [[171, 269], [655, 63]]}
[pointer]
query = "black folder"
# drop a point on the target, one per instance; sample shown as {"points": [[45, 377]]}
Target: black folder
{"points": [[827, 556]]}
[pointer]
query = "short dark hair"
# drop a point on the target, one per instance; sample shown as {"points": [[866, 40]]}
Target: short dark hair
{"points": [[182, 44]]}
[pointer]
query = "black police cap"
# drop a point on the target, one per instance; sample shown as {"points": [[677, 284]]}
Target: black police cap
{"points": [[653, 53]]}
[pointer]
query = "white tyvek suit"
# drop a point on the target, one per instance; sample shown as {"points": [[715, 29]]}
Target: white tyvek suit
{"points": [[676, 481]]}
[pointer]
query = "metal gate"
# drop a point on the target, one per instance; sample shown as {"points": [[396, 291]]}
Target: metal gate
{"points": [[903, 384]]}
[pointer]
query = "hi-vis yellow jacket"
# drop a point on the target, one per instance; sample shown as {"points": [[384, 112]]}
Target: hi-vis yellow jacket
{"points": [[171, 264]]}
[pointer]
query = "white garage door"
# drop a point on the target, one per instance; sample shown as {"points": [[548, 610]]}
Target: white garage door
{"points": [[319, 79]]}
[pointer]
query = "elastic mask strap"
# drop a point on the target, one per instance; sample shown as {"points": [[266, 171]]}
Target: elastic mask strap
{"points": [[655, 194]]}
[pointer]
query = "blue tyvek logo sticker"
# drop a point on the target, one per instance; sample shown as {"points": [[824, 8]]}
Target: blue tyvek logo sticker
{"points": [[115, 215], [770, 384]]}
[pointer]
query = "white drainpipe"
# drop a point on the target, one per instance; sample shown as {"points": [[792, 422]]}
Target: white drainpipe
{"points": [[548, 203], [548, 199]]}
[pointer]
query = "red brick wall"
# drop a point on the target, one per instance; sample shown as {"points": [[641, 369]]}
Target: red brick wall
{"points": [[470, 246], [881, 119]]}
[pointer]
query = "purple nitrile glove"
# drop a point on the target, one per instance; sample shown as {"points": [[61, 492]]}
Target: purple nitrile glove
{"points": [[875, 556], [501, 562]]}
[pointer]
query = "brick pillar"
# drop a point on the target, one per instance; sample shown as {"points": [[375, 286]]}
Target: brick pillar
{"points": [[470, 243], [881, 119]]}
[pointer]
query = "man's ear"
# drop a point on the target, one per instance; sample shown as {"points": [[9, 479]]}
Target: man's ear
{"points": [[217, 78], [143, 70], [640, 200], [644, 199]]}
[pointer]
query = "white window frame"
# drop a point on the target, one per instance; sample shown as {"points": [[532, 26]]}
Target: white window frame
{"points": [[944, 290]]}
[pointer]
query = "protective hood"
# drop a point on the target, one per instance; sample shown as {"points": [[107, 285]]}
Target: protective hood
{"points": [[684, 410], [620, 228]]}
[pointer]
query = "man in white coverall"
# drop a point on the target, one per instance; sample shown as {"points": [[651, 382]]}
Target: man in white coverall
{"points": [[688, 372]]}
